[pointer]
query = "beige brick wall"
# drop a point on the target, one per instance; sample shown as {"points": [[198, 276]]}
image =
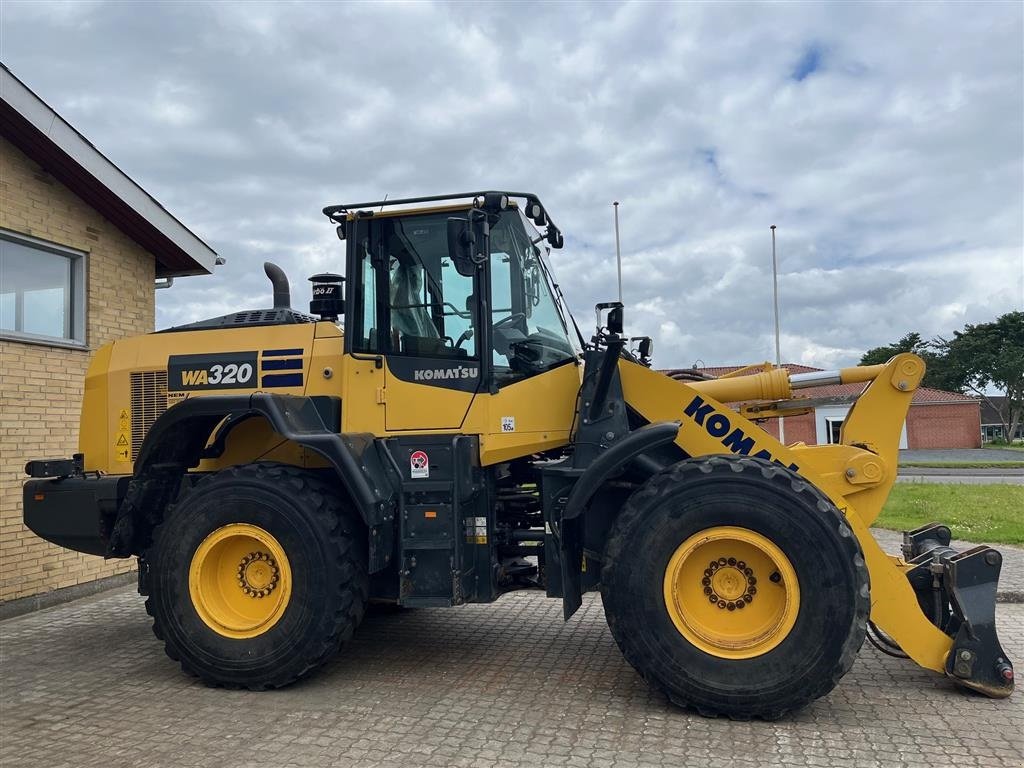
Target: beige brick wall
{"points": [[41, 386]]}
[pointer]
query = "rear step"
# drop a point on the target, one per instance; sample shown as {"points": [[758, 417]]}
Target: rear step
{"points": [[957, 591]]}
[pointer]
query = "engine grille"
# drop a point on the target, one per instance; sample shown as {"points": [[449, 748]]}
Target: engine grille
{"points": [[149, 400]]}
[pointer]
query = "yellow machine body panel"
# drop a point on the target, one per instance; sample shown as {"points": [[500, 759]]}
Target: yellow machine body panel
{"points": [[527, 417], [131, 382]]}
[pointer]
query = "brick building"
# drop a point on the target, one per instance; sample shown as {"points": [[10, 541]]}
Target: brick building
{"points": [[81, 249], [936, 419]]}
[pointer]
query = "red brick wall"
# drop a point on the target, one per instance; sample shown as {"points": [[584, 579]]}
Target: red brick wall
{"points": [[954, 425], [798, 429]]}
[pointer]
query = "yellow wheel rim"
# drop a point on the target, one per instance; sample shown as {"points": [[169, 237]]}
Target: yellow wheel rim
{"points": [[240, 581], [731, 592]]}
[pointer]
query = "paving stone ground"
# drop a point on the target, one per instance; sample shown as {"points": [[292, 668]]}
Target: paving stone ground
{"points": [[508, 684]]}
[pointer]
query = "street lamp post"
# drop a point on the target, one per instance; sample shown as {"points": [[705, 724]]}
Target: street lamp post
{"points": [[778, 352]]}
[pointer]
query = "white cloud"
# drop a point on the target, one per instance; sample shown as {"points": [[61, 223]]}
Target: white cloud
{"points": [[894, 168]]}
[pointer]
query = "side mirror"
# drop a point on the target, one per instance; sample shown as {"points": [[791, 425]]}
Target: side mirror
{"points": [[646, 347], [461, 246], [615, 320]]}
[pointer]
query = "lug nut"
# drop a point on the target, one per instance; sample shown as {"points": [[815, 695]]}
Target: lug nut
{"points": [[741, 565], [707, 590], [732, 561], [722, 561], [731, 606], [721, 603], [713, 598], [705, 581], [741, 604], [747, 598], [748, 571]]}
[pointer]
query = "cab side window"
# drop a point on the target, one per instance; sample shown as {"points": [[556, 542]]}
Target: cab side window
{"points": [[365, 337], [431, 307]]}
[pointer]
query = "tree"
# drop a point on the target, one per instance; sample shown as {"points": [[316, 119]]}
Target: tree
{"points": [[912, 342], [986, 356], [937, 374]]}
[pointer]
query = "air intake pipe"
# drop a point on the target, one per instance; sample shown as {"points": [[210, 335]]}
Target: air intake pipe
{"points": [[282, 292]]}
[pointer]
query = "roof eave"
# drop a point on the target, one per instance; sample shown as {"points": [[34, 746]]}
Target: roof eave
{"points": [[38, 131]]}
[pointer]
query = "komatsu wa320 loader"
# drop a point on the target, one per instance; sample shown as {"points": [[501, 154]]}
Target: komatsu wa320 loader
{"points": [[437, 432]]}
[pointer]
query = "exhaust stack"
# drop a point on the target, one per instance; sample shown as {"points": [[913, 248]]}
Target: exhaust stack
{"points": [[282, 291]]}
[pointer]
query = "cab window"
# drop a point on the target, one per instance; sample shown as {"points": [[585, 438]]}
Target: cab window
{"points": [[529, 333], [431, 307]]}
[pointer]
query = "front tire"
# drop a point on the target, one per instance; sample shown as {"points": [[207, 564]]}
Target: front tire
{"points": [[257, 576], [735, 587]]}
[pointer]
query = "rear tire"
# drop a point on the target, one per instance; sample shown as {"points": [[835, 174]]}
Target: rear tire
{"points": [[818, 631], [306, 589]]}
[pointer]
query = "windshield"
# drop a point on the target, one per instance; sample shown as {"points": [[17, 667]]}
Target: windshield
{"points": [[529, 331]]}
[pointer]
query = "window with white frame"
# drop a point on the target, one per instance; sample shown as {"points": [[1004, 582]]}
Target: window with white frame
{"points": [[833, 428], [42, 290]]}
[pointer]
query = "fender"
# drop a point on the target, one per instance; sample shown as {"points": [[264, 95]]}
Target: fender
{"points": [[178, 437], [611, 461], [607, 464]]}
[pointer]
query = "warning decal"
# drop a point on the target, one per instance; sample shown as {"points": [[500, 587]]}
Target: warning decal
{"points": [[122, 448], [419, 464]]}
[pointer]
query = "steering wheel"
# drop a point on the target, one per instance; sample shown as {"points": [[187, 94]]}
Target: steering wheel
{"points": [[507, 320], [466, 336]]}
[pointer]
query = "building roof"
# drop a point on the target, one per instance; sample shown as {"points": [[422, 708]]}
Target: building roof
{"points": [[37, 130], [989, 414], [922, 395]]}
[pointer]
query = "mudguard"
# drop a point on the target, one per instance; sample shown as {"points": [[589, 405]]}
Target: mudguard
{"points": [[178, 437]]}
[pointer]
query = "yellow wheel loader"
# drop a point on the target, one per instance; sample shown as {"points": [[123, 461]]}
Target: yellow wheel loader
{"points": [[437, 431]]}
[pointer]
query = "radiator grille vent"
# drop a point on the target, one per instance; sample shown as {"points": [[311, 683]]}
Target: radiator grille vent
{"points": [[149, 400]]}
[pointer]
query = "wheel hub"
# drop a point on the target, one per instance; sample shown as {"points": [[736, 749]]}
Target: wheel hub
{"points": [[257, 574], [712, 592], [240, 581], [729, 583]]}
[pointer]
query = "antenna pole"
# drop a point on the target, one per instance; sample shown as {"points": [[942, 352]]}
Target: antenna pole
{"points": [[618, 253], [775, 284], [778, 353]]}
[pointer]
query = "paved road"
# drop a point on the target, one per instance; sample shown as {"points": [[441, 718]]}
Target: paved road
{"points": [[86, 684], [966, 477], [961, 454]]}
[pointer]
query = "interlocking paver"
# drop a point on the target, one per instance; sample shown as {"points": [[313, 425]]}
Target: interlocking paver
{"points": [[509, 684]]}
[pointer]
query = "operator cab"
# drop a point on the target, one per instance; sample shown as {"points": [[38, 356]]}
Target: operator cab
{"points": [[417, 296]]}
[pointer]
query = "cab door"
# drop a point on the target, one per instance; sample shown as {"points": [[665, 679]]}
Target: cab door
{"points": [[426, 324]]}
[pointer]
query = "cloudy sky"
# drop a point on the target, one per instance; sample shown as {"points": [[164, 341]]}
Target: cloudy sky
{"points": [[885, 141]]}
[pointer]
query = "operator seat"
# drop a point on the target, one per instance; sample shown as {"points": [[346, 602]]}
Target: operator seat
{"points": [[411, 324]]}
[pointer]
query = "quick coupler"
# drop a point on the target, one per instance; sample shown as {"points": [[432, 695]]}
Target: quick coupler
{"points": [[957, 591]]}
